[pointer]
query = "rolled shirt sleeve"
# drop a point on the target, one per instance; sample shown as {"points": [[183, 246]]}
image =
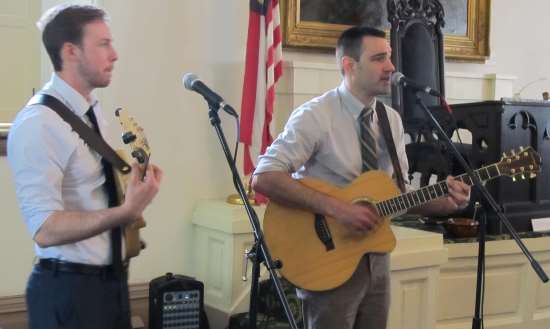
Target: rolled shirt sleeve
{"points": [[295, 145], [38, 170]]}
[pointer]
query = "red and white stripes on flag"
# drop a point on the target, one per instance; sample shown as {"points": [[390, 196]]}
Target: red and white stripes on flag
{"points": [[263, 67]]}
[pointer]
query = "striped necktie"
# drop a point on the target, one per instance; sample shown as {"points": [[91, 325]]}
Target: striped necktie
{"points": [[368, 142]]}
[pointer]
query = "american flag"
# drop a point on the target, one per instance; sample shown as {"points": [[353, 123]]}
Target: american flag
{"points": [[263, 68]]}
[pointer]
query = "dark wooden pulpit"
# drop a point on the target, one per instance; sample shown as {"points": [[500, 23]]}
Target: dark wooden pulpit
{"points": [[497, 127]]}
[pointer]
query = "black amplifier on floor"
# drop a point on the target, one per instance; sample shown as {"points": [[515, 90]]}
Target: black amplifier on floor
{"points": [[497, 127], [176, 302]]}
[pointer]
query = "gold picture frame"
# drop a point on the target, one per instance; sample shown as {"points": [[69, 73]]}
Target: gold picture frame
{"points": [[473, 46]]}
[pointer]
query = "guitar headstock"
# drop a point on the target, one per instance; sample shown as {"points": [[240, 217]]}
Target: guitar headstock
{"points": [[520, 164], [133, 135]]}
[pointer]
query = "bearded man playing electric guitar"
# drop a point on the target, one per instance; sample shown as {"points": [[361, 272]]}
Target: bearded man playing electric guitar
{"points": [[64, 188]]}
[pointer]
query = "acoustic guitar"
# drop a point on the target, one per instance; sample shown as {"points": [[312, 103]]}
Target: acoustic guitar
{"points": [[318, 253], [133, 136]]}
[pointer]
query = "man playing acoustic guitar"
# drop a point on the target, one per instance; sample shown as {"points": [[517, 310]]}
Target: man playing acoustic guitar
{"points": [[336, 137], [63, 186]]}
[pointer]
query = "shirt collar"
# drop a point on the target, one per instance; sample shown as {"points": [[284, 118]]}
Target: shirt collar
{"points": [[72, 98], [351, 103]]}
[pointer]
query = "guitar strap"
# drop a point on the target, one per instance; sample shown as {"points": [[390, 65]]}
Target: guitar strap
{"points": [[386, 132], [111, 159], [88, 135]]}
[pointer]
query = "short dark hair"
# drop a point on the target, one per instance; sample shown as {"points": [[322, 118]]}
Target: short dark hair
{"points": [[351, 40], [65, 23]]}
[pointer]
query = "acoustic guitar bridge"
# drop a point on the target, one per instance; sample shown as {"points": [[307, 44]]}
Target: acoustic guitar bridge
{"points": [[323, 232]]}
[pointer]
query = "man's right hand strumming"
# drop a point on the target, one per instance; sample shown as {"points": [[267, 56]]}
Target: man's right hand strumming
{"points": [[281, 187], [357, 217]]}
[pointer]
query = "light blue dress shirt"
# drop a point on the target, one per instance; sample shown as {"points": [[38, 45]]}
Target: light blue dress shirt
{"points": [[55, 170], [321, 139]]}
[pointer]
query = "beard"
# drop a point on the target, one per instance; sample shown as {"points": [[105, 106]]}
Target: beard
{"points": [[385, 90], [377, 89], [94, 77]]}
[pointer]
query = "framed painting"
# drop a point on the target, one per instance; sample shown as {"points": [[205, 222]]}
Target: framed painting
{"points": [[318, 23]]}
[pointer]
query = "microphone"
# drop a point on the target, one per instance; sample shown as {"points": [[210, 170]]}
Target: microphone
{"points": [[398, 78], [192, 82]]}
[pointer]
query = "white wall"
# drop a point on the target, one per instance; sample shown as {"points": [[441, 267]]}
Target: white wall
{"points": [[158, 41], [519, 45]]}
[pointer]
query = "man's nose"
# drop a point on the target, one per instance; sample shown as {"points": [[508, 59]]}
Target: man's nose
{"points": [[114, 55], [390, 67]]}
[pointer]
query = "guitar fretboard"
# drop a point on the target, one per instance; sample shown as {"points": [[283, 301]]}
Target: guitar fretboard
{"points": [[426, 194]]}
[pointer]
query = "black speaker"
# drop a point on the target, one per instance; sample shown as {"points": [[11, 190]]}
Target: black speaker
{"points": [[176, 302]]}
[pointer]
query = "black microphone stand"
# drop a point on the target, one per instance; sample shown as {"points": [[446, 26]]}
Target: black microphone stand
{"points": [[477, 321], [260, 252], [492, 203]]}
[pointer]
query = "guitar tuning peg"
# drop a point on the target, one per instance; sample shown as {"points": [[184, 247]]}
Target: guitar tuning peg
{"points": [[513, 178], [521, 148], [532, 175], [523, 176], [512, 152], [128, 137], [513, 171], [504, 154]]}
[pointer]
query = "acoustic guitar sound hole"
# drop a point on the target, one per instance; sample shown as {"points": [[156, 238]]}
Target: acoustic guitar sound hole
{"points": [[365, 203], [370, 205]]}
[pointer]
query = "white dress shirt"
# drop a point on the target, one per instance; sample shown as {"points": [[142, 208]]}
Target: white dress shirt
{"points": [[55, 170], [321, 139]]}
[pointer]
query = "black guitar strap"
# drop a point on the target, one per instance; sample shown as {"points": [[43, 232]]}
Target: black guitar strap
{"points": [[386, 132], [88, 135]]}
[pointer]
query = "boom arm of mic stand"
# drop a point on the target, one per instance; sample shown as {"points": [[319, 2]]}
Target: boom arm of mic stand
{"points": [[488, 197], [262, 252]]}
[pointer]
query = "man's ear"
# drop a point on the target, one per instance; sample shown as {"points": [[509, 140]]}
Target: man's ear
{"points": [[69, 52], [347, 64]]}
